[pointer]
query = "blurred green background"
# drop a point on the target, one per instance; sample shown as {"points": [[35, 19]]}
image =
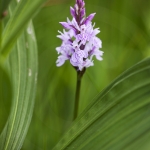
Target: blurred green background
{"points": [[125, 35]]}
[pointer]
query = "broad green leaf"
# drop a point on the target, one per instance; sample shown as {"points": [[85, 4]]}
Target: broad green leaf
{"points": [[5, 97], [22, 66], [24, 11], [118, 118]]}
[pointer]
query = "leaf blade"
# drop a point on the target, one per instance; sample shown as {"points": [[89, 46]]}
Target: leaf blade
{"points": [[24, 11], [126, 90], [23, 69]]}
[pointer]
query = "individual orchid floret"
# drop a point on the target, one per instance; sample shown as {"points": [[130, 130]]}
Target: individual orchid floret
{"points": [[79, 40]]}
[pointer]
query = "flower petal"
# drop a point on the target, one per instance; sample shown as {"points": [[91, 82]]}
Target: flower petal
{"points": [[89, 18], [72, 11], [61, 60], [65, 25]]}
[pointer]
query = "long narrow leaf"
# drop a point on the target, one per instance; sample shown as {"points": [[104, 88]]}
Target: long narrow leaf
{"points": [[118, 118], [21, 15], [23, 70]]}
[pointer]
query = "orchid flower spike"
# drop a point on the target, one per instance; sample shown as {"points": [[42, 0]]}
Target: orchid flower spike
{"points": [[79, 40]]}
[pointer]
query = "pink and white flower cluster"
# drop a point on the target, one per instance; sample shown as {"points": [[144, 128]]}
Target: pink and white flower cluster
{"points": [[79, 40]]}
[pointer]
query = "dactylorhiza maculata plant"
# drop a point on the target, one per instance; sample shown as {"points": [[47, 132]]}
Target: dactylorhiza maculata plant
{"points": [[79, 43]]}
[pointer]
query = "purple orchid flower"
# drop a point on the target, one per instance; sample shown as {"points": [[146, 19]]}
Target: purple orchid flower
{"points": [[79, 41]]}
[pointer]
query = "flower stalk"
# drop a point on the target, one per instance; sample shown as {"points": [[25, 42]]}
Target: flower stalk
{"points": [[79, 44], [77, 94]]}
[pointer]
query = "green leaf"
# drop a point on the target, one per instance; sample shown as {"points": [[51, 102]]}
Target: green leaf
{"points": [[22, 66], [5, 97], [22, 13], [118, 118]]}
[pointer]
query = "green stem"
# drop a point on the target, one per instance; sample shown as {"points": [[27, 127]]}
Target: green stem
{"points": [[76, 106], [77, 95]]}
